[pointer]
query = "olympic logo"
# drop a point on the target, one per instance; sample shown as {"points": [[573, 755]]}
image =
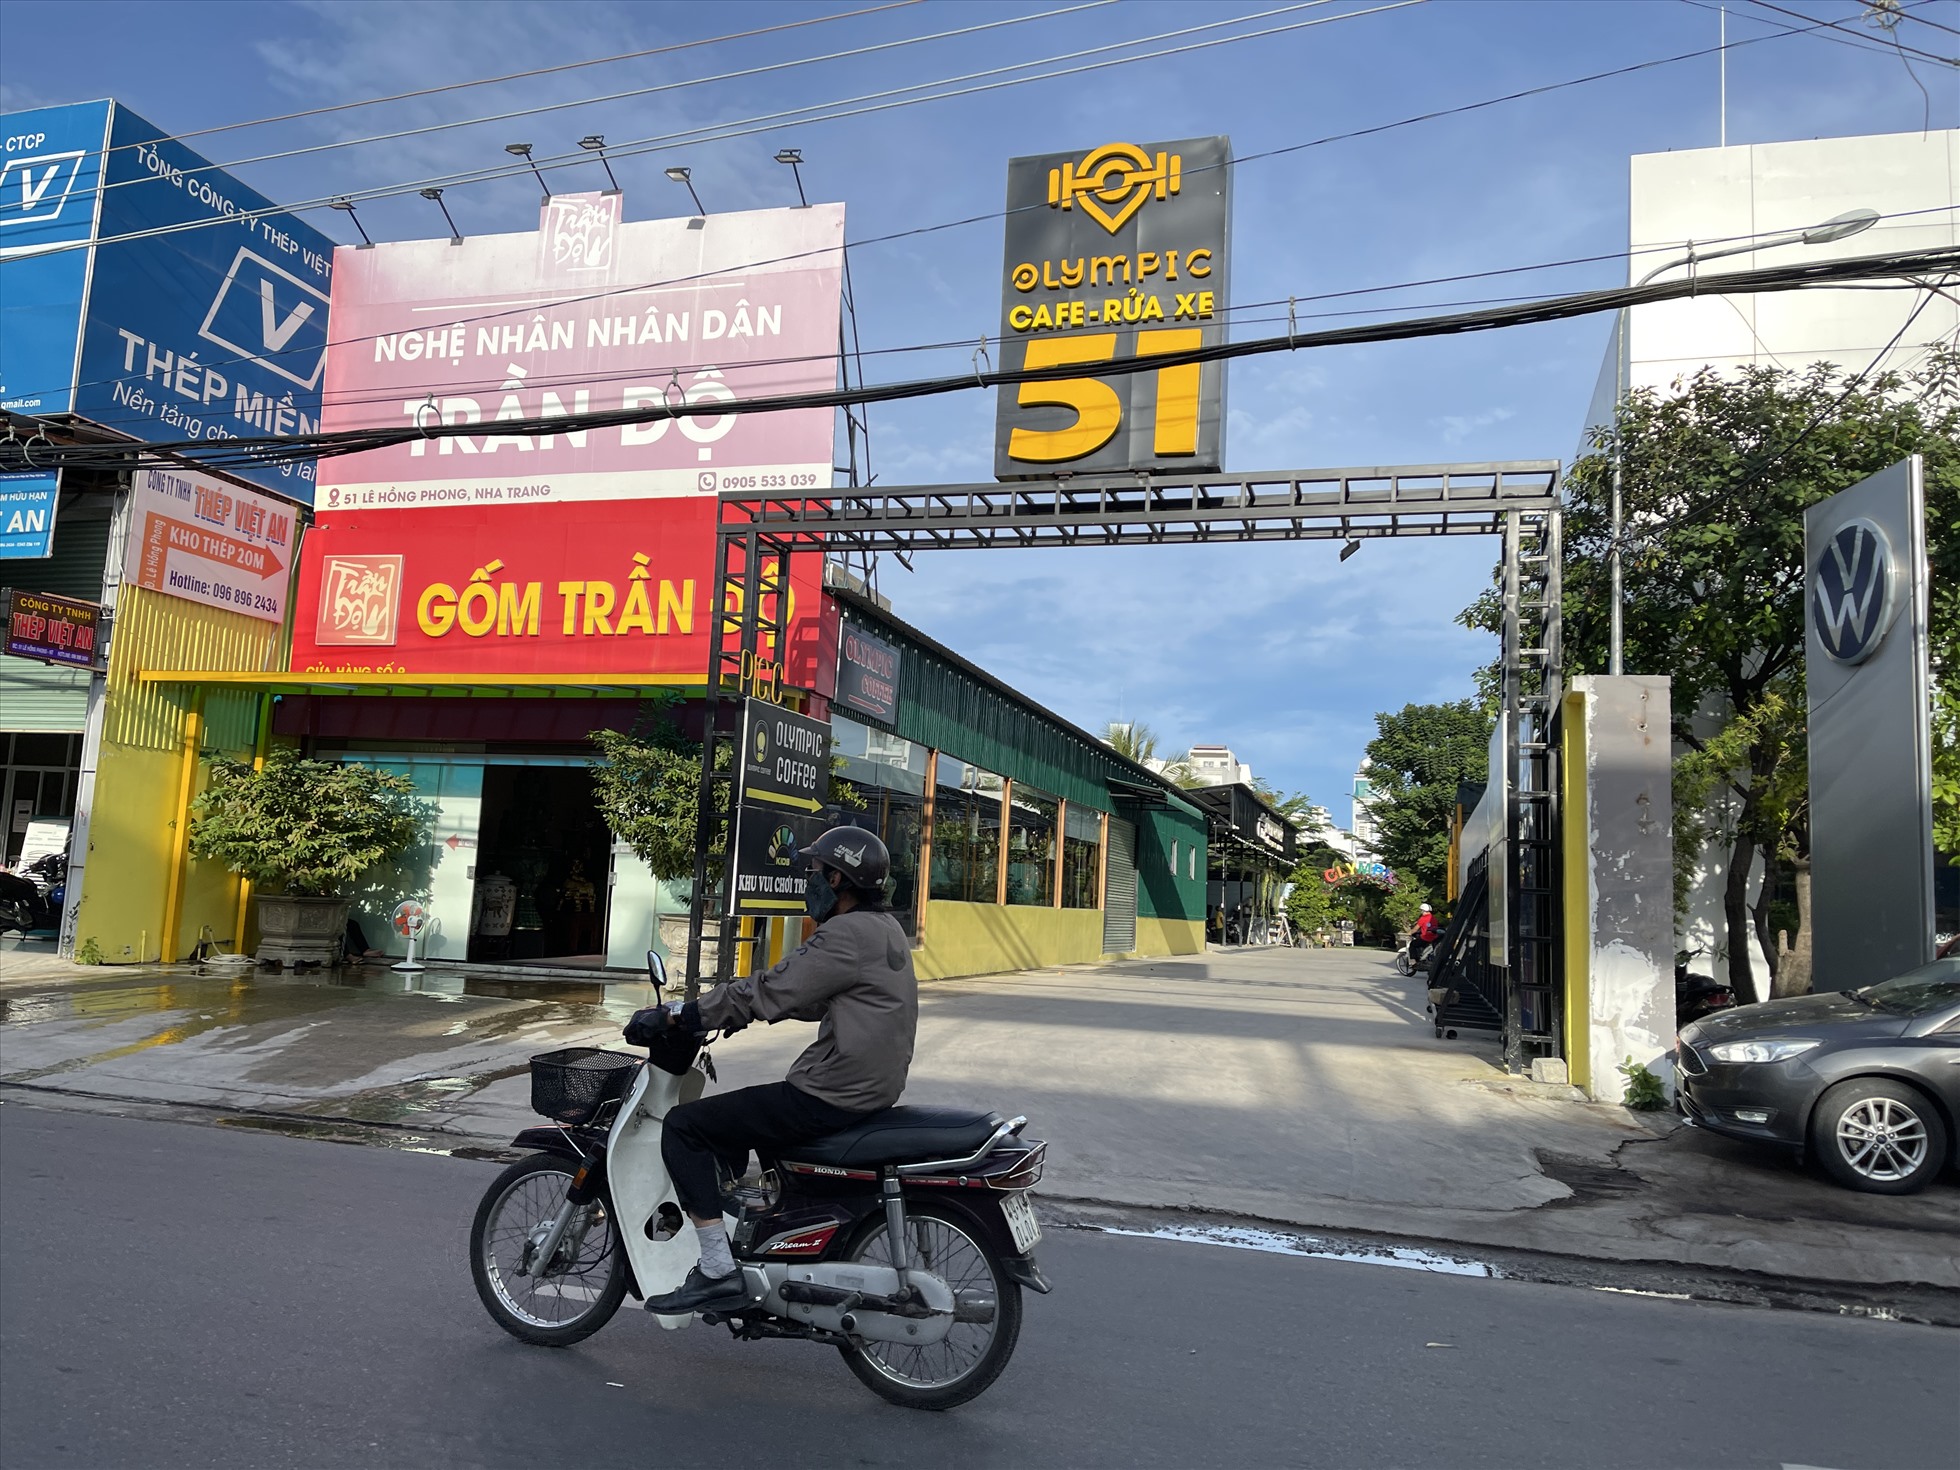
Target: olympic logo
{"points": [[1113, 182]]}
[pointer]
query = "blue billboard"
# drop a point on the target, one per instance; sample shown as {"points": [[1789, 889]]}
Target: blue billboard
{"points": [[50, 165], [207, 316]]}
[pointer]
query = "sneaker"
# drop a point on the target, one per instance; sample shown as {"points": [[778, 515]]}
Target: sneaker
{"points": [[702, 1294]]}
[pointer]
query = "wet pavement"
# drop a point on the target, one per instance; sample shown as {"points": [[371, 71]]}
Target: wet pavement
{"points": [[361, 1043], [1293, 1088]]}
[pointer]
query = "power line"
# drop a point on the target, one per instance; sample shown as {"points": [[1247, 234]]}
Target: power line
{"points": [[992, 215], [1236, 314], [1752, 474], [1856, 43], [519, 76], [661, 87], [1839, 26], [274, 449]]}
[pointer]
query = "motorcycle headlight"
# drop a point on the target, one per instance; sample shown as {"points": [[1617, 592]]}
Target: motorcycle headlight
{"points": [[1760, 1051]]}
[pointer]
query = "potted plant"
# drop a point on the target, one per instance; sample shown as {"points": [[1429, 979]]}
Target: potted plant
{"points": [[647, 786], [302, 831]]}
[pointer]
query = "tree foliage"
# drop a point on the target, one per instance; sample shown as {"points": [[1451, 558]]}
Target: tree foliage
{"points": [[1416, 763], [1132, 739], [308, 827], [647, 785], [1716, 477]]}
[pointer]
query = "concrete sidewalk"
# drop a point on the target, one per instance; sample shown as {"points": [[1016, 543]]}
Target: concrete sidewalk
{"points": [[1295, 1086]]}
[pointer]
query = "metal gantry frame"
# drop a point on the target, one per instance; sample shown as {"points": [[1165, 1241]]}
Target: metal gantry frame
{"points": [[758, 534]]}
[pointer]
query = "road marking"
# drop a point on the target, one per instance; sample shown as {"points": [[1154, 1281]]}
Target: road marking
{"points": [[1273, 1243]]}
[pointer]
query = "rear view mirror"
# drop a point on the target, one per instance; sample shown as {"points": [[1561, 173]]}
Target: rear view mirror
{"points": [[656, 972]]}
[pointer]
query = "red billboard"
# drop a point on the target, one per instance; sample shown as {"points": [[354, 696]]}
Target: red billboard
{"points": [[585, 588], [587, 552]]}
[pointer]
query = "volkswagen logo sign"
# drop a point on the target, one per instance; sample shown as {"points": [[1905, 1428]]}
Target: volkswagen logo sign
{"points": [[1851, 592]]}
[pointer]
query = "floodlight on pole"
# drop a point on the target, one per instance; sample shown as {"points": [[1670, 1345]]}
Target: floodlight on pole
{"points": [[596, 143], [455, 235], [794, 158], [346, 207], [1828, 232], [523, 151], [1350, 549], [685, 177]]}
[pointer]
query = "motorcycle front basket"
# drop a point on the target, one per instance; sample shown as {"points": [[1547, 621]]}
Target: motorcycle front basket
{"points": [[570, 1086]]}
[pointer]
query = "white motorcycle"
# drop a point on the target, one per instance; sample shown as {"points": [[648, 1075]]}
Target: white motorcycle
{"points": [[567, 1233]]}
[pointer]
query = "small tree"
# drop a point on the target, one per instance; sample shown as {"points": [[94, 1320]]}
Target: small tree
{"points": [[309, 828], [648, 791], [1716, 475], [1416, 762], [1310, 906]]}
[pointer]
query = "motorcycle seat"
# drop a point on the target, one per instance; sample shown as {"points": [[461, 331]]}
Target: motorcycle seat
{"points": [[900, 1135]]}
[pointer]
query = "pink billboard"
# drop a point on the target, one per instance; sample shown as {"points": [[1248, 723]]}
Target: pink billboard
{"points": [[590, 313]]}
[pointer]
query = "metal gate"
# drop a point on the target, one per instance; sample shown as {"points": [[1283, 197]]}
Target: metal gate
{"points": [[1517, 502], [1120, 889]]}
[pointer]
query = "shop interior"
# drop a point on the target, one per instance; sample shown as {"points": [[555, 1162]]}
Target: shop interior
{"points": [[543, 857]]}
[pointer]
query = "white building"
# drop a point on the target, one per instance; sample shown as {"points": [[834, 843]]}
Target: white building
{"points": [[1366, 830], [1215, 765], [1712, 198]]}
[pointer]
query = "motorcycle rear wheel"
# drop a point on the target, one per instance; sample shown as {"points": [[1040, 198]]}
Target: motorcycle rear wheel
{"points": [[962, 1367], [550, 1311]]}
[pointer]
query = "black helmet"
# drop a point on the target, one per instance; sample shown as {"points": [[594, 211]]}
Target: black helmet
{"points": [[854, 852]]}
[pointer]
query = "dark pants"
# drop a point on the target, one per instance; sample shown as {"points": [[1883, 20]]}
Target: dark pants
{"points": [[726, 1126]]}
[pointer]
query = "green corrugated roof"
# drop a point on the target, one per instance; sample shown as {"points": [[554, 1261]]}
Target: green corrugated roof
{"points": [[946, 702]]}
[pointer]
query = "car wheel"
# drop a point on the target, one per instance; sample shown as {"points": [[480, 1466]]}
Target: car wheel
{"points": [[1878, 1136]]}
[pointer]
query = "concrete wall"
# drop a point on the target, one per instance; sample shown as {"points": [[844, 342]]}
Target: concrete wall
{"points": [[150, 732], [1170, 936], [1708, 194], [986, 938], [1619, 909]]}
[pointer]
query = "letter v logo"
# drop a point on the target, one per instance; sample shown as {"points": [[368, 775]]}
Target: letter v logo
{"points": [[1851, 592], [32, 189], [278, 333]]}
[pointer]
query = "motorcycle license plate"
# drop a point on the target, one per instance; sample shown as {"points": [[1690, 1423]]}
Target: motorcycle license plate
{"points": [[1021, 1223]]}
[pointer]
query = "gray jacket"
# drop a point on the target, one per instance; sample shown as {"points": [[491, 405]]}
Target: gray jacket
{"points": [[854, 978]]}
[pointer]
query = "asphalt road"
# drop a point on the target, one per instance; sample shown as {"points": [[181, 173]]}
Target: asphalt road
{"points": [[181, 1295]]}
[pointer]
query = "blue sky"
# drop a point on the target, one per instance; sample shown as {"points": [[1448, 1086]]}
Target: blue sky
{"points": [[1279, 651]]}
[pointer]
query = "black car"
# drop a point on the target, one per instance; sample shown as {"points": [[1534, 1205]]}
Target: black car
{"points": [[1867, 1082]]}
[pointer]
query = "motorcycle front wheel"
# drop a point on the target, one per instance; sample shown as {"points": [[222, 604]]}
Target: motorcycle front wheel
{"points": [[584, 1284], [960, 1367], [1403, 964]]}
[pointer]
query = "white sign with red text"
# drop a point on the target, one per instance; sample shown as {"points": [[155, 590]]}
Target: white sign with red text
{"points": [[590, 314], [205, 540]]}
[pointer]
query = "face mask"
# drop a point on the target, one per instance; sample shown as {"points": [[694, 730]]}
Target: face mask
{"points": [[819, 897]]}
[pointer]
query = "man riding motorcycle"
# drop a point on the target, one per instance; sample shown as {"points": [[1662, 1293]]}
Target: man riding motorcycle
{"points": [[1427, 932], [854, 978]]}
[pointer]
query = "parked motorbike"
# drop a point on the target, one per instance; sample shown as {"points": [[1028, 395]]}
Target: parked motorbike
{"points": [[31, 898], [1696, 996], [904, 1241]]}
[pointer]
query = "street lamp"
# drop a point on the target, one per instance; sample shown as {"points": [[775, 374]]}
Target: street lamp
{"points": [[685, 176], [793, 159], [523, 151], [596, 143], [1838, 227]]}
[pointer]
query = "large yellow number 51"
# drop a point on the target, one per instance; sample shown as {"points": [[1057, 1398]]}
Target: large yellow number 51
{"points": [[1098, 411]]}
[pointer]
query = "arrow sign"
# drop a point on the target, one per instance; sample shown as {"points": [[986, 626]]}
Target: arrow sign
{"points": [[777, 798], [216, 546]]}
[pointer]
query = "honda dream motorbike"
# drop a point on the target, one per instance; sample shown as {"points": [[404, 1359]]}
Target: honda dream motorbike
{"points": [[903, 1241]]}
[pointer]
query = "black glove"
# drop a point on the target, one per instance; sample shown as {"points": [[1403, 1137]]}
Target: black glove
{"points": [[657, 1022]]}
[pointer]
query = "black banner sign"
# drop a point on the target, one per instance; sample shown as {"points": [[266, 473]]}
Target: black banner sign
{"points": [[57, 630], [867, 674], [784, 788]]}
